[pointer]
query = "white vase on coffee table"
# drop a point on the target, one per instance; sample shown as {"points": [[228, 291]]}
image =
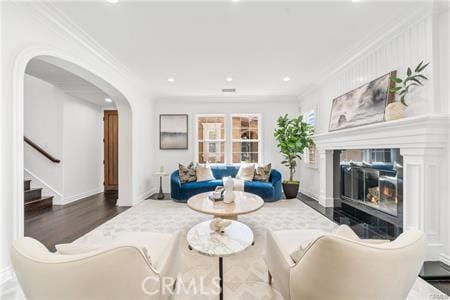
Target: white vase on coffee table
{"points": [[228, 195]]}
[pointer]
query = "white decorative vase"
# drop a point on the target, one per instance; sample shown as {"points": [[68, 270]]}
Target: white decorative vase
{"points": [[228, 195], [394, 111]]}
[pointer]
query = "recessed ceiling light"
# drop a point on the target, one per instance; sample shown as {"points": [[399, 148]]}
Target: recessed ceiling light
{"points": [[171, 79], [355, 0], [286, 78], [107, 100], [235, 0], [229, 79], [112, 1]]}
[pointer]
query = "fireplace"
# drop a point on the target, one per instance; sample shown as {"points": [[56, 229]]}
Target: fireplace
{"points": [[373, 177], [424, 188], [369, 186]]}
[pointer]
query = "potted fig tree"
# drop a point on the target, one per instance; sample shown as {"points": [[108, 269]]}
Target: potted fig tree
{"points": [[293, 136]]}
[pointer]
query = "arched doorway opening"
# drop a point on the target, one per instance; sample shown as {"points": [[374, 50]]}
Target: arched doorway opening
{"points": [[88, 74]]}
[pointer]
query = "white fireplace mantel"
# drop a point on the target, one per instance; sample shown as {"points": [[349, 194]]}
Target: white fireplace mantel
{"points": [[428, 131], [423, 142]]}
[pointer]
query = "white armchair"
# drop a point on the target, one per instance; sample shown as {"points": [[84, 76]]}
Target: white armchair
{"points": [[114, 273], [336, 267]]}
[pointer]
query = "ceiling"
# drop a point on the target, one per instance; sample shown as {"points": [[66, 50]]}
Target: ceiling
{"points": [[68, 82], [201, 43]]}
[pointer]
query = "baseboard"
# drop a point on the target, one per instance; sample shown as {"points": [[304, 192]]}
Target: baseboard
{"points": [[80, 196], [309, 194], [145, 195], [6, 274]]}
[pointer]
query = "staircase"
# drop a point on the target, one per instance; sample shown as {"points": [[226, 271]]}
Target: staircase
{"points": [[34, 200]]}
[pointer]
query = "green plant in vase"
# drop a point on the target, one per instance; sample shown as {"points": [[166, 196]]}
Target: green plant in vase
{"points": [[293, 136], [402, 88]]}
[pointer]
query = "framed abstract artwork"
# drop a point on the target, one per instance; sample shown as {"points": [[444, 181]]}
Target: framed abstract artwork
{"points": [[363, 105], [173, 131]]}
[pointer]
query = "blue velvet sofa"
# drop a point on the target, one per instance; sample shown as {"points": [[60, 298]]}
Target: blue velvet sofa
{"points": [[269, 191]]}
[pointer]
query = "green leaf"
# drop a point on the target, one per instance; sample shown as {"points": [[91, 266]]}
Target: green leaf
{"points": [[396, 80], [423, 67], [408, 72], [402, 100], [418, 67], [422, 76], [396, 89]]}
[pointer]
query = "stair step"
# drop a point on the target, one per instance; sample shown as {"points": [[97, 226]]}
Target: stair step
{"points": [[33, 194], [27, 185], [41, 203]]}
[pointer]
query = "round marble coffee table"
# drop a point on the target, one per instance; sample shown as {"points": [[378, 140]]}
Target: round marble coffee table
{"points": [[236, 238], [244, 203]]}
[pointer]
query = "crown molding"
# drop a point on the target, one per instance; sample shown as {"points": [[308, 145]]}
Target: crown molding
{"points": [[390, 29], [46, 12]]}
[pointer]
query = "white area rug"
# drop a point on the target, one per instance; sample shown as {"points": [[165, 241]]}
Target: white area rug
{"points": [[245, 275]]}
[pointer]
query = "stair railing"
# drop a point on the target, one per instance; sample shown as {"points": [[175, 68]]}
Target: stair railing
{"points": [[41, 150]]}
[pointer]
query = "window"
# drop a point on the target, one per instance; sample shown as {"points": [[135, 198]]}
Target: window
{"points": [[310, 154], [211, 139], [245, 138]]}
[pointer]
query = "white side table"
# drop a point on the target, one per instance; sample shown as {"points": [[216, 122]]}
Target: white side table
{"points": [[236, 238], [161, 175]]}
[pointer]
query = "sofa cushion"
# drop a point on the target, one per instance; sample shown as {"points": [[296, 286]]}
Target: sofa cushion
{"points": [[201, 185]]}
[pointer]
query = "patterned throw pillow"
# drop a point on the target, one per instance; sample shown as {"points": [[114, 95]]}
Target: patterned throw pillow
{"points": [[187, 174], [262, 173]]}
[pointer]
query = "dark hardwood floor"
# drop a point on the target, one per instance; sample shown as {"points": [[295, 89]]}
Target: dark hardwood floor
{"points": [[65, 223]]}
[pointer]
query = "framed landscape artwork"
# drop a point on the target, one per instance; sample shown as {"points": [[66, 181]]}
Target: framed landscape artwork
{"points": [[363, 105], [173, 132]]}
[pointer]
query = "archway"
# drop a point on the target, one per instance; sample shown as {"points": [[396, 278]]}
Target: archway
{"points": [[87, 73]]}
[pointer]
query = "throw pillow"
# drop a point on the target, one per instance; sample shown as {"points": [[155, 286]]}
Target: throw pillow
{"points": [[187, 174], [262, 173], [204, 173], [246, 172]]}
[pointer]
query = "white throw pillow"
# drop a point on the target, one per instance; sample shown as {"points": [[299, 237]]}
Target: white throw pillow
{"points": [[204, 173], [246, 172]]}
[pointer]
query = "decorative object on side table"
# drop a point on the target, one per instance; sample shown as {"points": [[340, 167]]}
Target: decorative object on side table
{"points": [[293, 137], [228, 195], [173, 131], [161, 174], [219, 225], [236, 238], [396, 110], [363, 105]]}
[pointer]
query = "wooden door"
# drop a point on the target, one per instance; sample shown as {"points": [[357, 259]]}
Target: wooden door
{"points": [[111, 149]]}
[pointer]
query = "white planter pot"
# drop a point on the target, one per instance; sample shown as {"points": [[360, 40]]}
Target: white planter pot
{"points": [[394, 111]]}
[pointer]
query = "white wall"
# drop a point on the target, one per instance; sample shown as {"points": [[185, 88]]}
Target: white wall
{"points": [[406, 46], [43, 125], [82, 149], [30, 29], [70, 129], [269, 109]]}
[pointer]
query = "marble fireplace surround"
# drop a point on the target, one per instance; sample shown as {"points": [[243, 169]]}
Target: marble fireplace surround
{"points": [[423, 143]]}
